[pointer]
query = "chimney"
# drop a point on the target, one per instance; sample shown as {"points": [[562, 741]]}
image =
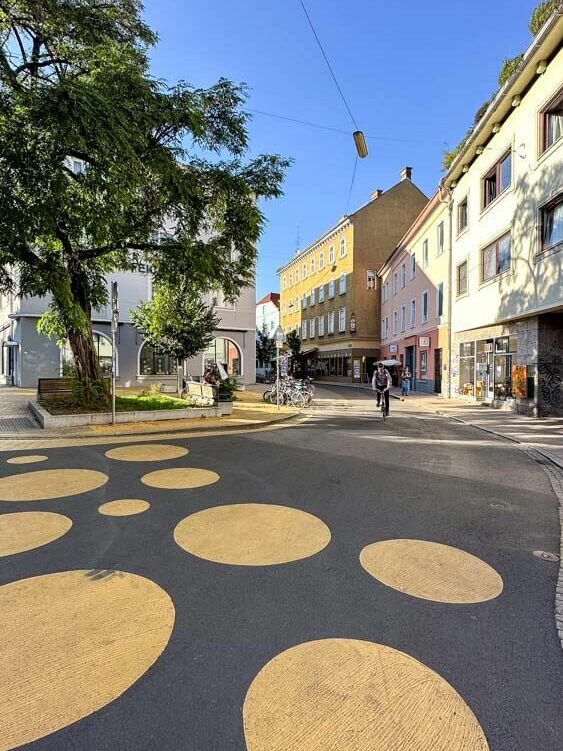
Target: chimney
{"points": [[376, 193], [406, 173]]}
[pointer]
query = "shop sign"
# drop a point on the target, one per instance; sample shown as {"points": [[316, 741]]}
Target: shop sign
{"points": [[423, 341], [393, 348]]}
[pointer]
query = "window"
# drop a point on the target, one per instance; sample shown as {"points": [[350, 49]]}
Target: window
{"points": [[153, 362], [284, 308], [495, 258], [342, 284], [291, 278], [77, 167], [370, 279], [342, 320], [385, 292], [395, 283], [321, 260], [296, 303], [303, 329], [462, 215], [342, 247], [284, 284], [413, 266], [552, 122], [413, 314], [312, 264], [298, 329], [331, 289], [498, 179], [296, 275], [311, 328], [425, 254], [425, 306], [395, 321], [462, 279], [403, 317], [403, 274], [330, 322], [304, 301], [322, 293], [383, 328], [440, 239], [102, 347], [440, 299], [552, 224], [423, 362], [331, 254], [321, 325], [304, 271], [312, 297]]}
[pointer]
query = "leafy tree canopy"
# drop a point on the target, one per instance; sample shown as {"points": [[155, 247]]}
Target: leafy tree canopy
{"points": [[265, 346], [294, 343], [75, 86]]}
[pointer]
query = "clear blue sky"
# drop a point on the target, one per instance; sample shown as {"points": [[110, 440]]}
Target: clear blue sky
{"points": [[412, 71]]}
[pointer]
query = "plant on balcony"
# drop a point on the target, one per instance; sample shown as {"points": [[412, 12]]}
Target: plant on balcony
{"points": [[541, 13]]}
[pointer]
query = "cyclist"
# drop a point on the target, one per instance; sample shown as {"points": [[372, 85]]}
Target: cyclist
{"points": [[381, 383]]}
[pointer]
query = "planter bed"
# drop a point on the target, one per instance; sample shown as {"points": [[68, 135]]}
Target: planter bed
{"points": [[48, 420]]}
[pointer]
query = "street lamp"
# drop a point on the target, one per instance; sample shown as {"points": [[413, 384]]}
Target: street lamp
{"points": [[360, 141]]}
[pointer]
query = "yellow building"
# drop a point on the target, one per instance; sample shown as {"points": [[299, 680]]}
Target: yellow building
{"points": [[329, 292]]}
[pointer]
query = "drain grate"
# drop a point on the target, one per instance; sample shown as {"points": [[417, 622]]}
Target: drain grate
{"points": [[15, 424], [544, 555]]}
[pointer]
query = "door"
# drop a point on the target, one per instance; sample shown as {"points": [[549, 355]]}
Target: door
{"points": [[438, 371], [410, 362]]}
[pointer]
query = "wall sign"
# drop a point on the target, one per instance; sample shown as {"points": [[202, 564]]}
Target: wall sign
{"points": [[393, 348], [423, 341], [353, 323]]}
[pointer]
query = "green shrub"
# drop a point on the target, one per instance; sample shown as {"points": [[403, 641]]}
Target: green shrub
{"points": [[540, 15], [227, 388], [152, 390], [94, 394], [508, 68]]}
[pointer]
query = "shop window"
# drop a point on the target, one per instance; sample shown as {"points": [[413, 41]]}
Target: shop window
{"points": [[423, 362], [495, 258], [552, 122], [467, 368], [462, 279], [498, 179], [551, 222], [153, 362], [227, 353]]}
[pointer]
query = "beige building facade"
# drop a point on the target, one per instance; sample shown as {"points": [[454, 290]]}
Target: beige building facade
{"points": [[329, 293], [506, 190]]}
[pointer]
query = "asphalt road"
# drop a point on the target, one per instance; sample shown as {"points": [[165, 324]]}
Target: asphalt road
{"points": [[416, 477]]}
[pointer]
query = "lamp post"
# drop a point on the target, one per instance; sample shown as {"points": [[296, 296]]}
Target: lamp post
{"points": [[279, 336], [114, 324]]}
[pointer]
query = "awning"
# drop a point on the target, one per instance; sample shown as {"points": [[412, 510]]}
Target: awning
{"points": [[306, 353]]}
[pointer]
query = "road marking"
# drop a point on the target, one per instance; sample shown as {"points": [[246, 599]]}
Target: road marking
{"points": [[179, 478], [431, 571], [45, 484], [27, 530], [146, 452], [124, 507], [355, 695], [29, 459], [72, 643], [252, 534]]}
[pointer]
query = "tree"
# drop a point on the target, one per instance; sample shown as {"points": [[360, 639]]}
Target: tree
{"points": [[96, 157], [294, 343], [175, 321], [265, 346]]}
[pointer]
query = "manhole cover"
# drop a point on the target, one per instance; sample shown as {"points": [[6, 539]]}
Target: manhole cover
{"points": [[498, 504], [544, 555], [15, 424]]}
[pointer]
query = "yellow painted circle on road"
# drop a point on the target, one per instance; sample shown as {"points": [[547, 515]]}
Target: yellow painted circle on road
{"points": [[146, 452], [27, 530], [180, 478], [252, 534], [358, 696], [71, 643], [29, 459], [124, 507], [49, 483], [431, 571]]}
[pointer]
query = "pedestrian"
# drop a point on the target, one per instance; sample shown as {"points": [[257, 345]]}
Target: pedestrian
{"points": [[381, 383], [406, 382]]}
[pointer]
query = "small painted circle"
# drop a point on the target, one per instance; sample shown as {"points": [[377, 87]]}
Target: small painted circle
{"points": [[146, 452], [87, 636], [180, 478], [29, 459], [124, 507], [26, 530], [45, 484], [252, 534], [355, 695], [431, 571]]}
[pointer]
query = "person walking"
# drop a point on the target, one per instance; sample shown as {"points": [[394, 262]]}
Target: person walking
{"points": [[406, 382], [381, 383]]}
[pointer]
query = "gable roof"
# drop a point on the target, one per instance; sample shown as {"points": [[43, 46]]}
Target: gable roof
{"points": [[273, 297]]}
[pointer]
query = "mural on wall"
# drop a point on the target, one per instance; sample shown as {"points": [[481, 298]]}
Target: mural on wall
{"points": [[550, 382]]}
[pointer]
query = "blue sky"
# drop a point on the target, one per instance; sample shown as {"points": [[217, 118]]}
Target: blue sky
{"points": [[414, 73]]}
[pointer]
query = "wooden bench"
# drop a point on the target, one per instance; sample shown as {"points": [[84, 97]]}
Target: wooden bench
{"points": [[54, 388]]}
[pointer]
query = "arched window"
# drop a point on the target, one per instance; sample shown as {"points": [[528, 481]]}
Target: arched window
{"points": [[102, 345], [226, 352], [153, 362]]}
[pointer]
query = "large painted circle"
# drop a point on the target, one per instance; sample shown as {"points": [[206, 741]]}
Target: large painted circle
{"points": [[146, 452], [355, 695], [27, 459], [49, 483], [431, 571], [180, 478], [252, 534], [27, 530], [71, 643], [124, 507]]}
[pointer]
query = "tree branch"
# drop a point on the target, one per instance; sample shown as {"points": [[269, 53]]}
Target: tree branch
{"points": [[34, 66]]}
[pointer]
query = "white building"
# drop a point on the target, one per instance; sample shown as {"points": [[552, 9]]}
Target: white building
{"points": [[268, 316]]}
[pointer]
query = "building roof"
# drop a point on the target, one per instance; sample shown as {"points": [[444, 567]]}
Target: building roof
{"points": [[544, 47], [273, 297]]}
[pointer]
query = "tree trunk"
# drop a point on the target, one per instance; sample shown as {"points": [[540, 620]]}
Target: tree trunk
{"points": [[85, 356]]}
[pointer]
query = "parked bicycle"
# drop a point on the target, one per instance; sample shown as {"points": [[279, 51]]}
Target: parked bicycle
{"points": [[292, 392]]}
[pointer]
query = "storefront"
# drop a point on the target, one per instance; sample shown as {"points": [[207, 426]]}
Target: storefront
{"points": [[423, 358], [486, 368], [348, 365]]}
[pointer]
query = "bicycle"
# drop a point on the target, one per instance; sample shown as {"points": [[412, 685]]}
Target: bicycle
{"points": [[382, 406]]}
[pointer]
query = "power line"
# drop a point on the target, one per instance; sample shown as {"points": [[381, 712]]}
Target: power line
{"points": [[352, 183], [329, 65]]}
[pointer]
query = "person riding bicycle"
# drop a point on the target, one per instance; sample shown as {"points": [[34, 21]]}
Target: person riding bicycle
{"points": [[381, 383]]}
